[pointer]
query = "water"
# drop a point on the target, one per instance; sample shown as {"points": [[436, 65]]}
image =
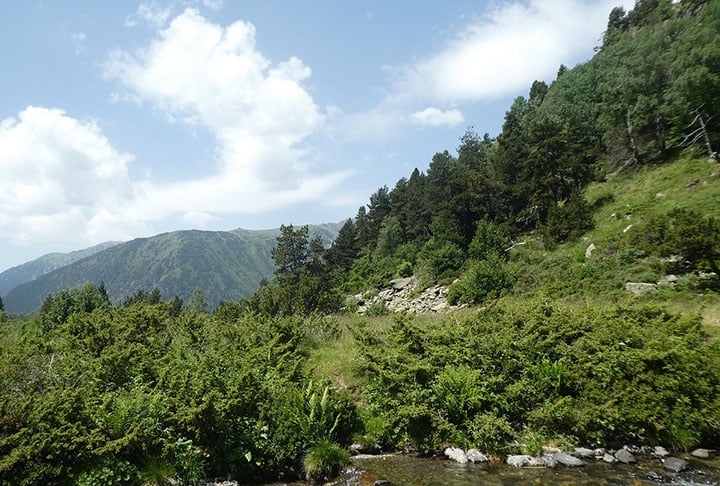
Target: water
{"points": [[404, 470]]}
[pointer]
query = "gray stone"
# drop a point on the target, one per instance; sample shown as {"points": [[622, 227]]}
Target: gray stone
{"points": [[548, 460], [701, 453], [589, 250], [519, 460], [660, 451], [609, 458], [584, 453], [674, 464], [475, 456], [640, 287], [567, 460], [625, 456], [456, 454]]}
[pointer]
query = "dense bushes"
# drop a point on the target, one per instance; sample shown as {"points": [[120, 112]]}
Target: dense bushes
{"points": [[130, 394], [596, 376]]}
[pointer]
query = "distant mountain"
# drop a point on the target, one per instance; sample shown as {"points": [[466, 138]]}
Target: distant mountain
{"points": [[31, 270], [225, 265]]}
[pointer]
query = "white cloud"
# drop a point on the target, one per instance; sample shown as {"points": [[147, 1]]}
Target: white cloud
{"points": [[504, 52], [214, 78], [202, 73], [435, 117], [63, 181], [198, 219], [497, 55], [150, 13]]}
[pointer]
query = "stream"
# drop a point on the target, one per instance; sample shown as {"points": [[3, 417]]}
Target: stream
{"points": [[407, 470]]}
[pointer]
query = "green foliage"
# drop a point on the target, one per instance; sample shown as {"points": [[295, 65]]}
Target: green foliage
{"points": [[324, 461], [443, 261], [489, 241], [535, 371], [484, 279], [137, 392]]}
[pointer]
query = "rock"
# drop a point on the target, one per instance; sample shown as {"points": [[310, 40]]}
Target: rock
{"points": [[549, 461], [456, 454], [589, 250], [382, 482], [584, 453], [625, 456], [674, 464], [609, 458], [567, 460], [640, 287], [701, 453], [475, 456], [669, 279], [403, 283], [653, 476], [519, 460], [660, 451]]}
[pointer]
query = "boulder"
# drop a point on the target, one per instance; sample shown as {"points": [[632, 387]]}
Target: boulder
{"points": [[456, 454], [475, 456], [674, 464], [567, 460], [519, 460], [625, 456], [640, 287], [589, 251], [701, 453], [584, 453], [660, 451], [609, 458]]}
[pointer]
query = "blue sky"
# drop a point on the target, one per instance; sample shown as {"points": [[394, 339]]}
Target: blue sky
{"points": [[121, 119]]}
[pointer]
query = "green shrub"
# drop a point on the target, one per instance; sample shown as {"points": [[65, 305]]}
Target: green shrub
{"points": [[324, 461], [484, 279]]}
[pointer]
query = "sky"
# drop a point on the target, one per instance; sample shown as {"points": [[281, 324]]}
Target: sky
{"points": [[128, 119]]}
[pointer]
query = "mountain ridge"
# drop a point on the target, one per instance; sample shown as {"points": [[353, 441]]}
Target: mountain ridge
{"points": [[226, 265]]}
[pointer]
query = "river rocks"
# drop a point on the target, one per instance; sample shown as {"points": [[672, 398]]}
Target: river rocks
{"points": [[567, 460], [584, 453], [456, 454], [675, 465], [660, 451], [625, 456], [475, 456], [609, 458], [403, 295], [701, 453], [519, 460]]}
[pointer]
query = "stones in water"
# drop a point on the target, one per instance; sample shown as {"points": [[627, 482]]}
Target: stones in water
{"points": [[660, 451], [675, 465], [567, 460], [519, 460], [625, 456], [475, 456], [701, 453], [456, 454], [584, 453]]}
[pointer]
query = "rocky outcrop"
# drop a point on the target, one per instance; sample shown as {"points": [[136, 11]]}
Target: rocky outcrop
{"points": [[404, 295]]}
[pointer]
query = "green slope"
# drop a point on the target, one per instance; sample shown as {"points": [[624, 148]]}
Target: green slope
{"points": [[225, 265]]}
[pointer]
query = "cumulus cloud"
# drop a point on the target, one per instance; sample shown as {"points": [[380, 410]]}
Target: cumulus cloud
{"points": [[506, 50], [498, 54], [435, 117], [204, 74], [213, 77], [63, 181]]}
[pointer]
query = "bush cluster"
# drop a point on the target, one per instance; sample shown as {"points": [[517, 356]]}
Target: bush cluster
{"points": [[590, 375]]}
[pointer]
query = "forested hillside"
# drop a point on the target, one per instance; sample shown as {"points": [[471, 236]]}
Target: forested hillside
{"points": [[604, 177], [223, 265], [649, 95]]}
